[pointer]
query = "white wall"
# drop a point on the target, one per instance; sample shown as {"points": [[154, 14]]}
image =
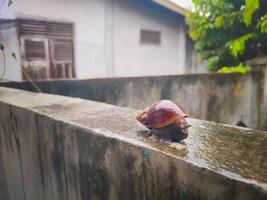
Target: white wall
{"points": [[11, 43], [107, 35], [88, 16], [133, 59]]}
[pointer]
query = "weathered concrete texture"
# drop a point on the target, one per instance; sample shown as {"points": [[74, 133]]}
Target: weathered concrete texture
{"points": [[226, 98], [54, 147], [260, 64]]}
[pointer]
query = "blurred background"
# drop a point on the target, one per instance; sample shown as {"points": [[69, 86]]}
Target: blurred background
{"points": [[209, 56], [90, 39]]}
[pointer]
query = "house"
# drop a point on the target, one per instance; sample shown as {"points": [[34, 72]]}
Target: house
{"points": [[56, 39]]}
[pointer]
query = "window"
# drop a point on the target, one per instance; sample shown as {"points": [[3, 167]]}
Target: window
{"points": [[34, 50], [61, 56], [35, 59], [148, 37], [62, 51], [47, 49]]}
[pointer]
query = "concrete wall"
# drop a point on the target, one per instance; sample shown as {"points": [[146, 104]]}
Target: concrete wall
{"points": [[54, 147], [260, 64], [264, 111], [107, 36], [225, 98]]}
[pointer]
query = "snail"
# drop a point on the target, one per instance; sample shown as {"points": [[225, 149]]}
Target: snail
{"points": [[166, 121]]}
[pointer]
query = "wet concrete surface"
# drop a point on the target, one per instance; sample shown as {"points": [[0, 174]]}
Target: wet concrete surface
{"points": [[235, 152], [221, 158], [239, 153]]}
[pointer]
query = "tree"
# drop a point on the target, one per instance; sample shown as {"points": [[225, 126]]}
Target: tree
{"points": [[228, 32]]}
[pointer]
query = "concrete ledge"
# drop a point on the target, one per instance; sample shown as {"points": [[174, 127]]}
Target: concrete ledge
{"points": [[201, 94], [55, 147]]}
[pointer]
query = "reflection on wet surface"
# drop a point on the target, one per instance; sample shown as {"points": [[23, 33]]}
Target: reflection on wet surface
{"points": [[234, 152]]}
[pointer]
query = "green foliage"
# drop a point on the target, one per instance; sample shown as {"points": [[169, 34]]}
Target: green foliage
{"points": [[251, 7], [219, 22], [2, 47], [14, 56], [238, 45], [228, 32], [237, 69], [263, 24]]}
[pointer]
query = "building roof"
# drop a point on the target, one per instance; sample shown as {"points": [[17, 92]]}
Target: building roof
{"points": [[172, 6], [7, 23]]}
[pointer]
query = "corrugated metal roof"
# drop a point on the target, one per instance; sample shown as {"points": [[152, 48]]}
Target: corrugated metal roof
{"points": [[172, 6]]}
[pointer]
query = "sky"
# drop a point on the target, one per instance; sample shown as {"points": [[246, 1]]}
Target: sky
{"points": [[183, 3]]}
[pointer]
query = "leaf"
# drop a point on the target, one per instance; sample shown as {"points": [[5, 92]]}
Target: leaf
{"points": [[238, 45], [10, 2], [2, 47], [14, 56], [212, 62], [219, 22], [263, 24], [251, 7], [236, 69], [224, 30]]}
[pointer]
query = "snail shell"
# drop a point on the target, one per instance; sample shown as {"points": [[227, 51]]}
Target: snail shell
{"points": [[165, 118]]}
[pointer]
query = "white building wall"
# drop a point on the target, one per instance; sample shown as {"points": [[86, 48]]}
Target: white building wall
{"points": [[133, 59], [106, 35], [88, 17], [11, 66]]}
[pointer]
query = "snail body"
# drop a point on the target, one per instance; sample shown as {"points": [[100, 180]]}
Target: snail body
{"points": [[166, 120]]}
